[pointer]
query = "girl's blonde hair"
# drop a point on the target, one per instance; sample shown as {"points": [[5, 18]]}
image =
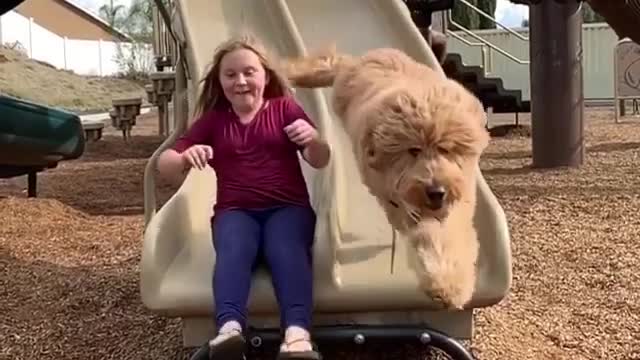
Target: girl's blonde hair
{"points": [[211, 96]]}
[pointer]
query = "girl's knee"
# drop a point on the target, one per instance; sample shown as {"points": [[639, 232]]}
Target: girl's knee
{"points": [[292, 226], [300, 213], [236, 235]]}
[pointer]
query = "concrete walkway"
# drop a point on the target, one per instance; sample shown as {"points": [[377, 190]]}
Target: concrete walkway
{"points": [[98, 117]]}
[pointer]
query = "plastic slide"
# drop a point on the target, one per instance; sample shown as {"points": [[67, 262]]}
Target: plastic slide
{"points": [[34, 137], [359, 276]]}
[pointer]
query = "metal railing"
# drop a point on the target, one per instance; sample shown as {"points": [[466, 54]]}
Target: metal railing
{"points": [[486, 59], [483, 43], [487, 16], [487, 64]]}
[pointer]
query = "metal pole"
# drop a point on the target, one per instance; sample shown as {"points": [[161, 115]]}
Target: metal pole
{"points": [[615, 83], [557, 97], [162, 113]]}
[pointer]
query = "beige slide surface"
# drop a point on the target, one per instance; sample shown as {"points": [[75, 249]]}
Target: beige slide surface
{"points": [[353, 251]]}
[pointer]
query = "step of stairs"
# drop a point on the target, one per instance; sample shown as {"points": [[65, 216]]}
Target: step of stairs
{"points": [[490, 90]]}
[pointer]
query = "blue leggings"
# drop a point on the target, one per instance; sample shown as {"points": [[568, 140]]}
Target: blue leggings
{"points": [[283, 237]]}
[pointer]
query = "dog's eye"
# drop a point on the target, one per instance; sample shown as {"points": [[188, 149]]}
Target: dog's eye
{"points": [[415, 151], [443, 150]]}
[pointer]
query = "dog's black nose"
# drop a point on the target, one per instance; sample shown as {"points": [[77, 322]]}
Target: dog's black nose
{"points": [[436, 195]]}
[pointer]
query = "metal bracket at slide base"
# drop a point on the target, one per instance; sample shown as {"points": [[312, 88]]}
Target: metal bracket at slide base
{"points": [[261, 340], [9, 171]]}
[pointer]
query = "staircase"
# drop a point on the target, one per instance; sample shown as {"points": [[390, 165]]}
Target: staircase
{"points": [[490, 90]]}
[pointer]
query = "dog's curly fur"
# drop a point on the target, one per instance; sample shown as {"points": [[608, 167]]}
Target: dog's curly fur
{"points": [[415, 135]]}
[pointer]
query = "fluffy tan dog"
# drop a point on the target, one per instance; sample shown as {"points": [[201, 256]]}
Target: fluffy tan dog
{"points": [[417, 138]]}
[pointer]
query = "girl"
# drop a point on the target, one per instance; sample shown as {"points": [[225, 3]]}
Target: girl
{"points": [[249, 130]]}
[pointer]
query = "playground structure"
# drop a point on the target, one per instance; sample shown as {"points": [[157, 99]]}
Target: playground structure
{"points": [[93, 129], [557, 95], [159, 94], [159, 91], [123, 115], [358, 298], [34, 138], [622, 15], [626, 80]]}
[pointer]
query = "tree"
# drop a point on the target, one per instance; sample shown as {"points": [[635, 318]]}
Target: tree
{"points": [[469, 18], [488, 6], [590, 16], [137, 22], [465, 16], [140, 19], [113, 14]]}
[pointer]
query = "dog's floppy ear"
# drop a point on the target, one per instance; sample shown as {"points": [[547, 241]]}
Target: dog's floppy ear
{"points": [[373, 156], [481, 137]]}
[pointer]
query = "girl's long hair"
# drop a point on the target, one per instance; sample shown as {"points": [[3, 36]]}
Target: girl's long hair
{"points": [[212, 97]]}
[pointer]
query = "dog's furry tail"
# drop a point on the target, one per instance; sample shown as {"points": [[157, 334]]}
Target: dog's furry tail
{"points": [[318, 69]]}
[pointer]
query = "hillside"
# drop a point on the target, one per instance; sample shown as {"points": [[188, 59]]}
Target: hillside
{"points": [[40, 82]]}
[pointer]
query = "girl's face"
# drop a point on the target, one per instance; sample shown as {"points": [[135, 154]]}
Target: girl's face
{"points": [[243, 79]]}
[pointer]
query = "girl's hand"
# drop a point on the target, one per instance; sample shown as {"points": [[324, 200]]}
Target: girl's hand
{"points": [[197, 156], [301, 132]]}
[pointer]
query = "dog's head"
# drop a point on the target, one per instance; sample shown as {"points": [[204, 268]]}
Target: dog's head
{"points": [[424, 144]]}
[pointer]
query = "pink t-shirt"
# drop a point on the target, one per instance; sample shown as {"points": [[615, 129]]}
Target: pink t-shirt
{"points": [[256, 164]]}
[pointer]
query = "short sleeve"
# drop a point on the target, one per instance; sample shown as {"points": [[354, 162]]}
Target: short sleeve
{"points": [[199, 133], [294, 111]]}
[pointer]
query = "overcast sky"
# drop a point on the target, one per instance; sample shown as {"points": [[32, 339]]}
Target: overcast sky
{"points": [[506, 12]]}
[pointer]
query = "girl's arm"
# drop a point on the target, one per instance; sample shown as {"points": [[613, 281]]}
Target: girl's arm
{"points": [[317, 153], [171, 164]]}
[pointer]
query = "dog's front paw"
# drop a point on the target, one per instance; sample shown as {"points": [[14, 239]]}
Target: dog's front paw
{"points": [[444, 296], [441, 274], [445, 285]]}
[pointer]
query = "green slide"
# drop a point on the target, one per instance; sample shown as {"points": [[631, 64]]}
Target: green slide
{"points": [[35, 137]]}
